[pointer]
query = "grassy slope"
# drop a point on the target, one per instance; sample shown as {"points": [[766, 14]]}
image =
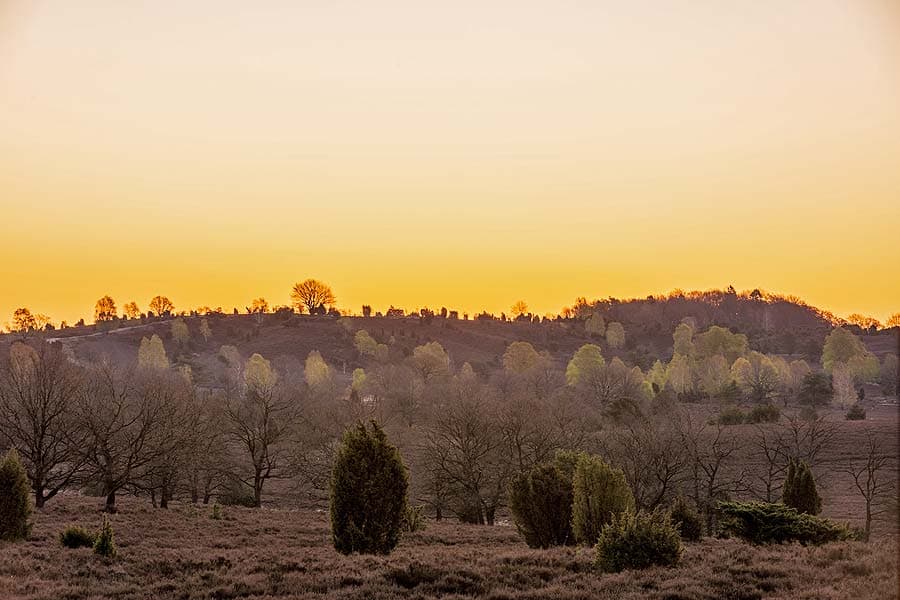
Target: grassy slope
{"points": [[182, 553]]}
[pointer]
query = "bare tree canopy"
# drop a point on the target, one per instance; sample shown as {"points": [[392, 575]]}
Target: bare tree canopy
{"points": [[312, 295]]}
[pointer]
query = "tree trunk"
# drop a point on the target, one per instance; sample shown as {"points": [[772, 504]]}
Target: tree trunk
{"points": [[110, 502], [257, 490], [164, 497], [39, 499]]}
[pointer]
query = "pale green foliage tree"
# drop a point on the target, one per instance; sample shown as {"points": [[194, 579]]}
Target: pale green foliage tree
{"points": [[842, 384], [365, 344], [615, 335], [595, 325], [657, 375], [718, 340], [679, 374], [683, 339], [382, 353], [713, 374], [316, 371], [152, 353], [205, 330], [180, 332], [430, 360], [757, 375], [259, 374], [841, 346], [799, 370], [520, 357], [358, 379], [864, 368], [586, 363], [230, 355]]}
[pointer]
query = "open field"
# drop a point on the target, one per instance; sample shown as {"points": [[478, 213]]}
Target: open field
{"points": [[279, 553]]}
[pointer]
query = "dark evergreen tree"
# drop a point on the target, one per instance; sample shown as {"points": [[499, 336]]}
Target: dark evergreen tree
{"points": [[15, 503], [800, 489], [541, 505], [815, 390], [368, 493]]}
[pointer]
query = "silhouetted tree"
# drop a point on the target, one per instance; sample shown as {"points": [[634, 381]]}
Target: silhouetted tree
{"points": [[313, 295], [105, 309], [161, 306]]}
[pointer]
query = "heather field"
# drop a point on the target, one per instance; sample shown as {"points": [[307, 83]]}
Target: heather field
{"points": [[278, 553]]}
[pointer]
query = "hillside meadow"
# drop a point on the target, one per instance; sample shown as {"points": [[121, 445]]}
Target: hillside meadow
{"points": [[286, 553]]}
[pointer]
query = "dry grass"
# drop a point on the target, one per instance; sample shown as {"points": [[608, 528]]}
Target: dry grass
{"points": [[269, 553]]}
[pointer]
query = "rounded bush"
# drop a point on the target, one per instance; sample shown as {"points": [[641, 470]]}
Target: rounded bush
{"points": [[368, 493], [637, 541], [599, 493], [74, 536], [15, 502], [763, 413], [687, 519], [856, 413]]}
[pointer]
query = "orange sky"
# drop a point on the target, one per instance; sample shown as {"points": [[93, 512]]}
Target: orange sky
{"points": [[465, 154]]}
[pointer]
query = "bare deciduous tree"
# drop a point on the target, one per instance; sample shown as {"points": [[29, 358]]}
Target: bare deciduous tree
{"points": [[313, 295], [259, 416], [464, 450], [105, 309], [875, 479], [711, 449], [160, 305], [37, 388], [122, 418]]}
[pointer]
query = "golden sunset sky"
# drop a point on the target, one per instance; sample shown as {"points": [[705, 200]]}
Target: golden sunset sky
{"points": [[465, 154]]}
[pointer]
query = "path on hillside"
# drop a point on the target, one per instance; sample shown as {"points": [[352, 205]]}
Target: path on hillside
{"points": [[101, 333]]}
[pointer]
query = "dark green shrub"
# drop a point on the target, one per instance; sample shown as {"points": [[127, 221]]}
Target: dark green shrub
{"points": [[637, 541], [767, 523], [541, 505], [104, 545], [731, 415], [368, 493], [216, 514], [815, 390], [799, 491], [414, 519], [237, 493], [687, 519], [856, 413], [598, 493], [15, 501], [763, 413], [74, 536]]}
